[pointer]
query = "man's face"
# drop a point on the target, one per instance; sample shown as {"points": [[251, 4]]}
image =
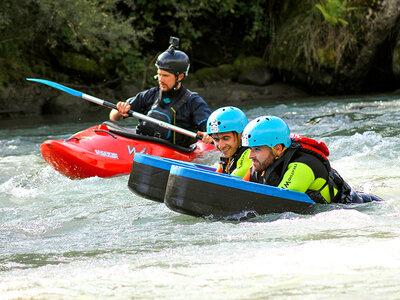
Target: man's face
{"points": [[226, 142], [262, 157], [166, 80]]}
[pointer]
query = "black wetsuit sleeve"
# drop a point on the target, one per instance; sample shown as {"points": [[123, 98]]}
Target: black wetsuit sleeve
{"points": [[200, 112], [143, 101], [203, 126]]}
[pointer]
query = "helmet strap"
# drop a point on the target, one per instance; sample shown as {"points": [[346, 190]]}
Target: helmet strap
{"points": [[176, 84], [177, 81], [276, 156], [227, 165]]}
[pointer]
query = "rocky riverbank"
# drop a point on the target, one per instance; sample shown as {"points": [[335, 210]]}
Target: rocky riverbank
{"points": [[237, 94], [33, 99], [327, 48]]}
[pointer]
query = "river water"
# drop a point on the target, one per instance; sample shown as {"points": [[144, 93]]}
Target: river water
{"points": [[94, 239]]}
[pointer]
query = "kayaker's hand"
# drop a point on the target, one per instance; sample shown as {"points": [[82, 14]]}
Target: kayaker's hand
{"points": [[206, 138], [123, 108]]}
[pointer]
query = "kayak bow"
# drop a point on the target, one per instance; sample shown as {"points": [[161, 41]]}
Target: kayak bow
{"points": [[107, 150]]}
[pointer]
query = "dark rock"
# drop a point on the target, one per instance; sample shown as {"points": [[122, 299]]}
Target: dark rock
{"points": [[258, 75], [219, 94]]}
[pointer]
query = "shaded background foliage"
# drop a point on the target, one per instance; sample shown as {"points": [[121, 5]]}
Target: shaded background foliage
{"points": [[103, 39], [317, 37], [106, 41]]}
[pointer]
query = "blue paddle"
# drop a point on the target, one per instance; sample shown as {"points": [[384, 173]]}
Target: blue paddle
{"points": [[113, 106]]}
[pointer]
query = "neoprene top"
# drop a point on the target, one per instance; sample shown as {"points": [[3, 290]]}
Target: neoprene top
{"points": [[304, 173], [192, 115], [237, 165]]}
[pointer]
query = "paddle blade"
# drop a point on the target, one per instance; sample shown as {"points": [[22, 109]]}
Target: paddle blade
{"points": [[57, 86]]}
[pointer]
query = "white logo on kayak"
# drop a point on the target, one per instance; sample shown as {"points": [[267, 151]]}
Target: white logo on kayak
{"points": [[133, 150], [106, 154]]}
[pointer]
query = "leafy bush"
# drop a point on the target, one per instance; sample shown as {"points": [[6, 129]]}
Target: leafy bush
{"points": [[318, 34], [37, 33], [100, 40], [120, 39]]}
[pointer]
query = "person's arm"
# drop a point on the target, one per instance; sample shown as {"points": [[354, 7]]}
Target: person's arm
{"points": [[200, 112], [298, 177], [138, 103], [243, 164], [121, 113], [206, 138]]}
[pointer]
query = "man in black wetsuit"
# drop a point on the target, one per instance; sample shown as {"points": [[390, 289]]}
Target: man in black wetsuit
{"points": [[298, 164], [170, 101]]}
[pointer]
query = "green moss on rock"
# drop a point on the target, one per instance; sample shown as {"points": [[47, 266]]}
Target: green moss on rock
{"points": [[81, 64], [246, 63], [220, 73]]}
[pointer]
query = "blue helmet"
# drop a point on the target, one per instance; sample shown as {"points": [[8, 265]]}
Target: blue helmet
{"points": [[226, 119], [266, 130]]}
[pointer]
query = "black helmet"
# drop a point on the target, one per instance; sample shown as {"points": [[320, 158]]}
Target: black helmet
{"points": [[173, 61]]}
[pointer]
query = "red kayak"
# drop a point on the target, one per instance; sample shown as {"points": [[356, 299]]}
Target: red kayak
{"points": [[107, 150]]}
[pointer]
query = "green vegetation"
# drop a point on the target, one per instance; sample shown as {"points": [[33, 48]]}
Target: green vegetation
{"points": [[97, 40], [37, 35], [94, 41], [317, 35], [334, 11]]}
